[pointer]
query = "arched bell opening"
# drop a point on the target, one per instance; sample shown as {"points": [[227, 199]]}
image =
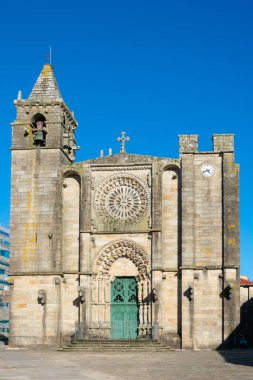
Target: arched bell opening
{"points": [[38, 124]]}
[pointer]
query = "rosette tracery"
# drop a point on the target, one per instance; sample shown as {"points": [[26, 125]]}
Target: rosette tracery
{"points": [[122, 197]]}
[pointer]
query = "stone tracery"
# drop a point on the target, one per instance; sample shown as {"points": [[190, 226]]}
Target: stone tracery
{"points": [[122, 197]]}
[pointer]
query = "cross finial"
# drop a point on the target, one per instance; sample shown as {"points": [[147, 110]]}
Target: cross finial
{"points": [[123, 139]]}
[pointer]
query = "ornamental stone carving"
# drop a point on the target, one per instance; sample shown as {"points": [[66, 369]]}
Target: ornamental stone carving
{"points": [[123, 248], [122, 197]]}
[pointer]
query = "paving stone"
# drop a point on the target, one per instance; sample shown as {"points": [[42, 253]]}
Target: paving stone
{"points": [[18, 364]]}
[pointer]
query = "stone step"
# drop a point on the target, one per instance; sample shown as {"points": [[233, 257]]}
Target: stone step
{"points": [[116, 342], [144, 349], [116, 346], [112, 346], [111, 349]]}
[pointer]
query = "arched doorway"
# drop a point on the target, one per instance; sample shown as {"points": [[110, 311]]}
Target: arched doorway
{"points": [[125, 267]]}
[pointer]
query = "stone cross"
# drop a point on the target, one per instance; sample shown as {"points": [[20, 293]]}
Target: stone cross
{"points": [[123, 139]]}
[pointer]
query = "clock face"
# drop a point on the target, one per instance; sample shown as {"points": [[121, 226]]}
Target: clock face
{"points": [[207, 170]]}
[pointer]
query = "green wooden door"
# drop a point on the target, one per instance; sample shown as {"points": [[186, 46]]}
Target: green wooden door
{"points": [[124, 308]]}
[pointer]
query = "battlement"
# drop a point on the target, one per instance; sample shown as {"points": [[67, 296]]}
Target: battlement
{"points": [[188, 143], [221, 143]]}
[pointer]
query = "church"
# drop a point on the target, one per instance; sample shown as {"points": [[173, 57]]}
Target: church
{"points": [[120, 247]]}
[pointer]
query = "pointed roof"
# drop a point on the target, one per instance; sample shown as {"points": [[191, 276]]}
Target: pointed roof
{"points": [[46, 87]]}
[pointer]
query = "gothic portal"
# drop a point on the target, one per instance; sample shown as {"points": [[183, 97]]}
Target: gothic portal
{"points": [[119, 247]]}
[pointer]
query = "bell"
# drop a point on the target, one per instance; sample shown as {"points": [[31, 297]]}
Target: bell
{"points": [[39, 137], [39, 124]]}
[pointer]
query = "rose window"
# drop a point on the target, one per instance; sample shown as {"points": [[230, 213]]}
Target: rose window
{"points": [[123, 202], [122, 197]]}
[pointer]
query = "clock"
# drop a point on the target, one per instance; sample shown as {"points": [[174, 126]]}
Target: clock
{"points": [[207, 170]]}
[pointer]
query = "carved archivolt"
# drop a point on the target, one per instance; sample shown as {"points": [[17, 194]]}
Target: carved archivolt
{"points": [[122, 197], [123, 248]]}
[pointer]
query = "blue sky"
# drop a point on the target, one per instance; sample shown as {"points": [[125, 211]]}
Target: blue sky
{"points": [[155, 69]]}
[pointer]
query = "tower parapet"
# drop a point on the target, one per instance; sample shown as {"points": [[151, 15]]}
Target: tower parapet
{"points": [[188, 143], [223, 143]]}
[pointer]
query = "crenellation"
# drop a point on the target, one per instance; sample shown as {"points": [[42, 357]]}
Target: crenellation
{"points": [[223, 142], [188, 143]]}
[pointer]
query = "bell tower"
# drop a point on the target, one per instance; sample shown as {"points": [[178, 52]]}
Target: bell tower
{"points": [[43, 140]]}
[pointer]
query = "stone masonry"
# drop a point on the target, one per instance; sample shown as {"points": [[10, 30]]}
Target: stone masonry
{"points": [[171, 225]]}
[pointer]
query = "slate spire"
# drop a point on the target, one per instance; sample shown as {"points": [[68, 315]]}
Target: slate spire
{"points": [[46, 87]]}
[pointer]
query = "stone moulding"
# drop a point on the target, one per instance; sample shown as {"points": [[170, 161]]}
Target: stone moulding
{"points": [[123, 248], [120, 168]]}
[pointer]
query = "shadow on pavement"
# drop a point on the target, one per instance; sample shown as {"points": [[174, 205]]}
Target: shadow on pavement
{"points": [[242, 356]]}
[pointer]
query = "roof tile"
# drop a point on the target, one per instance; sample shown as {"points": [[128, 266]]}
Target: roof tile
{"points": [[244, 281], [46, 87]]}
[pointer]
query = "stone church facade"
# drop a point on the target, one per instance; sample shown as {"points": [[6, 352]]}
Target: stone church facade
{"points": [[119, 247]]}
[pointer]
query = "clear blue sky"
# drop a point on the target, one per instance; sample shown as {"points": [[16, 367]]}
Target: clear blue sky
{"points": [[155, 69]]}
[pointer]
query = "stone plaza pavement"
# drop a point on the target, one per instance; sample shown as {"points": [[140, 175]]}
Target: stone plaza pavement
{"points": [[46, 364]]}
